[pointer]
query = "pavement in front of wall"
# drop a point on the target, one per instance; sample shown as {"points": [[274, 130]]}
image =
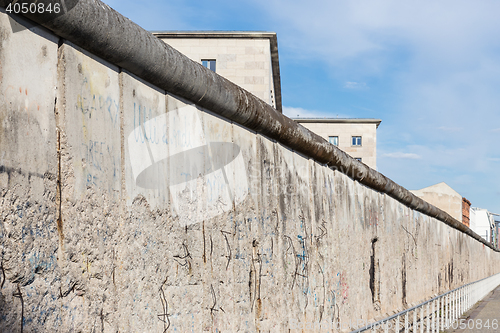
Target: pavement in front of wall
{"points": [[484, 316]]}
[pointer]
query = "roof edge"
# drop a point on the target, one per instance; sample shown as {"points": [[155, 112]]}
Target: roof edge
{"points": [[339, 120], [213, 34]]}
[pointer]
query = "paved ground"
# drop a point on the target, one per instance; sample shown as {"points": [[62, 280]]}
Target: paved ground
{"points": [[485, 313]]}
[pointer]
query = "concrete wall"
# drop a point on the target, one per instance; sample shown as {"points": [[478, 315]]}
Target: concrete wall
{"points": [[125, 208]]}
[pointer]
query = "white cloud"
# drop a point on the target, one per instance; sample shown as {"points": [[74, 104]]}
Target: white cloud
{"points": [[335, 30], [450, 129], [355, 85], [292, 112], [400, 155]]}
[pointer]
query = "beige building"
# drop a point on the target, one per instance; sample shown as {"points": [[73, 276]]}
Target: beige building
{"points": [[444, 197], [357, 137], [248, 59]]}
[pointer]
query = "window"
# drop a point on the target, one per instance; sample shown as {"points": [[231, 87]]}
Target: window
{"points": [[356, 141], [334, 140], [358, 158], [209, 63]]}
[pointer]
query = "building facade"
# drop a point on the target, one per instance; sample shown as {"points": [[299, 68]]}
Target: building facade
{"points": [[248, 59], [357, 137], [443, 197]]}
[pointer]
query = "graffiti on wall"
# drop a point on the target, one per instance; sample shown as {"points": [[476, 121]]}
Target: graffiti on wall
{"points": [[181, 150]]}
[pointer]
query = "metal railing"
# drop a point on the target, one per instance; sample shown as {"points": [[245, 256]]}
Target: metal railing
{"points": [[439, 313]]}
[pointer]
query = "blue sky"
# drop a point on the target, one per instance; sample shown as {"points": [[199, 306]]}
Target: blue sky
{"points": [[429, 69]]}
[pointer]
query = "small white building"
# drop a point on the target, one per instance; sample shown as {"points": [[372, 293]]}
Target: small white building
{"points": [[482, 223]]}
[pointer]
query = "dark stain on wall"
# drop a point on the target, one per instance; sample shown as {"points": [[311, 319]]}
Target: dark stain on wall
{"points": [[375, 277], [403, 281], [450, 273]]}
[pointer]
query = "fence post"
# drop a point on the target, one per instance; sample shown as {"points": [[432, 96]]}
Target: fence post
{"points": [[428, 317]]}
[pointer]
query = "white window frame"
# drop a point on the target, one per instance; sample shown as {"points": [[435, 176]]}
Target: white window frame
{"points": [[209, 63], [355, 143], [332, 140]]}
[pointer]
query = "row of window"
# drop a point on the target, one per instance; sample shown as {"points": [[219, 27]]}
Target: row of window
{"points": [[334, 140], [356, 141]]}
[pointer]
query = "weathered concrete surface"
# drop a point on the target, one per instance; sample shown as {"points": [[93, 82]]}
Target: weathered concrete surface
{"points": [[146, 135], [88, 119], [169, 217], [99, 29], [28, 178]]}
